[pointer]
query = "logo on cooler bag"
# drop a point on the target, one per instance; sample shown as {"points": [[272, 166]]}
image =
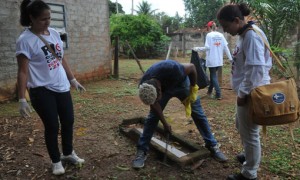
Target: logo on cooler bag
{"points": [[278, 98]]}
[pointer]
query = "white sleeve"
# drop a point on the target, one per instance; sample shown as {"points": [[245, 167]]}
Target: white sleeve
{"points": [[253, 48], [226, 49], [228, 52], [22, 47], [253, 76], [206, 42], [200, 49]]}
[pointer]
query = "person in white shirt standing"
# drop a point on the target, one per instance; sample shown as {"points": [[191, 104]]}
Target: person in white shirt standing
{"points": [[250, 68], [48, 78], [215, 45]]}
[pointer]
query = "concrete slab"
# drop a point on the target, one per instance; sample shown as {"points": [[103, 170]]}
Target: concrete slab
{"points": [[170, 148]]}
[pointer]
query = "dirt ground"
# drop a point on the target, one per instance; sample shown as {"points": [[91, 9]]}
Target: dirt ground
{"points": [[107, 152]]}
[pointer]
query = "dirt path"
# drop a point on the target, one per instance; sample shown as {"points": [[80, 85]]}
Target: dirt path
{"points": [[108, 153]]}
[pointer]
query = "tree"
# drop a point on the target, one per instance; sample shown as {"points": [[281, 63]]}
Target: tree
{"points": [[143, 33], [113, 8], [278, 19], [145, 8], [199, 12], [168, 23]]}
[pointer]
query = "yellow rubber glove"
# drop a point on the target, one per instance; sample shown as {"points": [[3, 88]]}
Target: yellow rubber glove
{"points": [[194, 93], [190, 99], [188, 108]]}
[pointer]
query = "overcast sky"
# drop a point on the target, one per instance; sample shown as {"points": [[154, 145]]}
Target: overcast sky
{"points": [[168, 6]]}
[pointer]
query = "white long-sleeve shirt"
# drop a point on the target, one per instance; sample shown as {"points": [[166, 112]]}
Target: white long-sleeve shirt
{"points": [[215, 45], [251, 63]]}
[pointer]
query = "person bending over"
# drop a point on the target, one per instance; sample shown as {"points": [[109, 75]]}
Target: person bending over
{"points": [[161, 82]]}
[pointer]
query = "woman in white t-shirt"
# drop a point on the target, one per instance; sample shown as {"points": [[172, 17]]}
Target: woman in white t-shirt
{"points": [[48, 79], [250, 68]]}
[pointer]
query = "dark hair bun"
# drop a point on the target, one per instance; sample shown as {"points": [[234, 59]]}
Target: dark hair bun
{"points": [[244, 9]]}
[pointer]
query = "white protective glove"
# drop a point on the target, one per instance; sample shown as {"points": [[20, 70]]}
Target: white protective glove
{"points": [[77, 85], [24, 108], [199, 49]]}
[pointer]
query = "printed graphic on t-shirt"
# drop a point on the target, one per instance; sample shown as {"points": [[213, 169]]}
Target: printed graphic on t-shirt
{"points": [[217, 41], [52, 61], [235, 52]]}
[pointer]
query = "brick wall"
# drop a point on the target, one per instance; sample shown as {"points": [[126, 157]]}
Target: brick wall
{"points": [[87, 25]]}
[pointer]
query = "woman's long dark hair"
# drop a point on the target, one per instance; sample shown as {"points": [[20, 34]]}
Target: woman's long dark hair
{"points": [[231, 11], [32, 8]]}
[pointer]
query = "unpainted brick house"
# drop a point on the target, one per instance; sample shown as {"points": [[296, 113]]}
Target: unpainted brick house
{"points": [[184, 40], [84, 28]]}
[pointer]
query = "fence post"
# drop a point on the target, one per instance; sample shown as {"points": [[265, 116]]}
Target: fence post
{"points": [[116, 59]]}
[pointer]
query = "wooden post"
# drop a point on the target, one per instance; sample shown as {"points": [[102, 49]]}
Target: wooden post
{"points": [[176, 54], [184, 43], [116, 59], [169, 50], [297, 56], [136, 59]]}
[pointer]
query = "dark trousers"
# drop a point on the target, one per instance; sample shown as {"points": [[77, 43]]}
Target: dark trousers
{"points": [[55, 109]]}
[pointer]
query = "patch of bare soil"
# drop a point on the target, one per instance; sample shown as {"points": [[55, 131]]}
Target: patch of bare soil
{"points": [[108, 153]]}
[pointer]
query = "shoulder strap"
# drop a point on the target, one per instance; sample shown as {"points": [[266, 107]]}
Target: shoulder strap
{"points": [[47, 44], [277, 61]]}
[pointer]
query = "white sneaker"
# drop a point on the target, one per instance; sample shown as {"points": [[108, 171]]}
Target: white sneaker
{"points": [[57, 168], [72, 158]]}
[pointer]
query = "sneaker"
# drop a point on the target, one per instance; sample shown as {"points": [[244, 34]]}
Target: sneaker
{"points": [[238, 177], [57, 168], [218, 98], [217, 154], [139, 160], [210, 95], [241, 158], [72, 158]]}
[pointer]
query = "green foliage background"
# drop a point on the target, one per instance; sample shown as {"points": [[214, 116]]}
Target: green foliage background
{"points": [[199, 12], [143, 33]]}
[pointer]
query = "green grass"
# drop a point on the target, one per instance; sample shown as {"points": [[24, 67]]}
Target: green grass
{"points": [[281, 156], [279, 153], [126, 91], [129, 68], [9, 109], [226, 70]]}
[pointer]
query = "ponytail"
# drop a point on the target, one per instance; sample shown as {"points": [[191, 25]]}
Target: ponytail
{"points": [[24, 16]]}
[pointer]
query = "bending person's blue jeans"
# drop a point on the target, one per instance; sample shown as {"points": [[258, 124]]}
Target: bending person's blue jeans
{"points": [[214, 81], [181, 92]]}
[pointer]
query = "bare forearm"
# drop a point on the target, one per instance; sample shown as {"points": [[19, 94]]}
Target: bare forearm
{"points": [[67, 69], [193, 79], [23, 71], [22, 83], [190, 70]]}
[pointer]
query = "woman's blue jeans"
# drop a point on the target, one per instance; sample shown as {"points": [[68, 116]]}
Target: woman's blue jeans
{"points": [[214, 81], [181, 91]]}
